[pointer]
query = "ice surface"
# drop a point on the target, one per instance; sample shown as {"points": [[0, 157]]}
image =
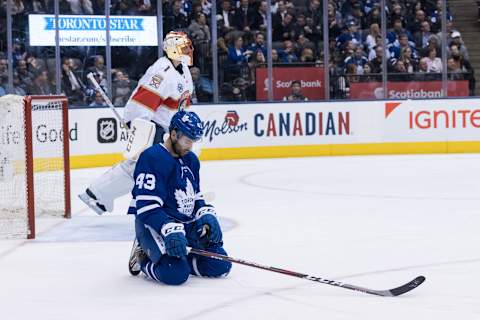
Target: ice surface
{"points": [[371, 221]]}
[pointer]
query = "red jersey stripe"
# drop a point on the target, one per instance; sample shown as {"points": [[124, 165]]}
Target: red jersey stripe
{"points": [[147, 98], [171, 103]]}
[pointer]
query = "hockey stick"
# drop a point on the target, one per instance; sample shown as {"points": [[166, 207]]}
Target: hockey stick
{"points": [[384, 293], [106, 98]]}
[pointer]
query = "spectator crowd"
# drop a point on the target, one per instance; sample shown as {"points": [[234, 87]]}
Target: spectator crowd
{"points": [[412, 47]]}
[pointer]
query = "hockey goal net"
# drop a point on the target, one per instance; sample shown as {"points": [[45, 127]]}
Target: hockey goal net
{"points": [[34, 162]]}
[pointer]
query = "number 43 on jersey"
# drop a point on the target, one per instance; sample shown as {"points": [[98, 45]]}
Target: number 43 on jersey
{"points": [[145, 181]]}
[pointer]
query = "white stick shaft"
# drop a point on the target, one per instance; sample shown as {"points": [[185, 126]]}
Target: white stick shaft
{"points": [[106, 98]]}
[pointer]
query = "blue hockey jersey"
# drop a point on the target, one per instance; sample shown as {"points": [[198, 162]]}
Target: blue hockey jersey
{"points": [[165, 187]]}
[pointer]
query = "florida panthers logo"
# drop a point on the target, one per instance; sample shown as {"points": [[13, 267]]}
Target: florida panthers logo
{"points": [[184, 101]]}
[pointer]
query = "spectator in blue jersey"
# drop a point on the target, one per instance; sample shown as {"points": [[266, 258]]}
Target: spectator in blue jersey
{"points": [[351, 34], [358, 59], [288, 55], [370, 5], [237, 55], [358, 15], [170, 212], [258, 44], [237, 59], [396, 31], [402, 43], [436, 17]]}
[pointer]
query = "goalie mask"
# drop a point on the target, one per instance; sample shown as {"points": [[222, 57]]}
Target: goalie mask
{"points": [[178, 47]]}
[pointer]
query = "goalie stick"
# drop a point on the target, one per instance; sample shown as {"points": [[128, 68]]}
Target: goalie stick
{"points": [[106, 98], [384, 293]]}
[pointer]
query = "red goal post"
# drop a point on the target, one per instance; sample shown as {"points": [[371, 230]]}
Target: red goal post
{"points": [[34, 162]]}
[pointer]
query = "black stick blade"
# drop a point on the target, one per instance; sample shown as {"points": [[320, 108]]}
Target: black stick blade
{"points": [[406, 287]]}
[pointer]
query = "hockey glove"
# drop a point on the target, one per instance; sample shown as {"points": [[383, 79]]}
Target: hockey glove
{"points": [[207, 226], [175, 241]]}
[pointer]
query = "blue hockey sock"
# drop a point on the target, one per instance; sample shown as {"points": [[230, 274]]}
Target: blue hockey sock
{"points": [[208, 267], [169, 270]]}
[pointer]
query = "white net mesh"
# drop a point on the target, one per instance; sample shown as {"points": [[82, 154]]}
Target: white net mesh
{"points": [[13, 215], [48, 156]]}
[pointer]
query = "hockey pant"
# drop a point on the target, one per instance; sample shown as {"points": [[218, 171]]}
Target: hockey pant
{"points": [[118, 180], [173, 270]]}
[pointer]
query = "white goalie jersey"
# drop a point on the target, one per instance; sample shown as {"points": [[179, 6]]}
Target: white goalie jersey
{"points": [[162, 91]]}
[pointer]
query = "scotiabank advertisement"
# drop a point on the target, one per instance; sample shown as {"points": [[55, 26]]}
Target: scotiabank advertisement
{"points": [[310, 78], [408, 90]]}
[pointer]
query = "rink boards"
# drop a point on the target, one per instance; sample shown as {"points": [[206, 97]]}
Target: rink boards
{"points": [[242, 131]]}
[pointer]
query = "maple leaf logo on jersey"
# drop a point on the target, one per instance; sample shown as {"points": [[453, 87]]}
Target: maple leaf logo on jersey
{"points": [[185, 199]]}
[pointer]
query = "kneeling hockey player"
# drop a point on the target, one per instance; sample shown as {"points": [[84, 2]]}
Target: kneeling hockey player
{"points": [[170, 213]]}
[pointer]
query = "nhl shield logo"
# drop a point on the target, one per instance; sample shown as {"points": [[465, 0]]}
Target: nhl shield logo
{"points": [[107, 130]]}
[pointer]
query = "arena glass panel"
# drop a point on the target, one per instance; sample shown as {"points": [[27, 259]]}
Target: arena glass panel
{"points": [[3, 50], [356, 48], [195, 20], [414, 51], [297, 52], [77, 58], [129, 62], [34, 48], [460, 66], [237, 27]]}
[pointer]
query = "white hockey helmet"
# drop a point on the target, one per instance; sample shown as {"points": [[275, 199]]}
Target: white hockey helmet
{"points": [[178, 47]]}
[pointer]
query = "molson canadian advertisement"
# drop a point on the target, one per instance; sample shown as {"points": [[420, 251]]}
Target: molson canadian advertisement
{"points": [[285, 130]]}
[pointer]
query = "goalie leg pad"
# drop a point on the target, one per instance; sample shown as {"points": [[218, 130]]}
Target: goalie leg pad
{"points": [[208, 267], [114, 183], [140, 137]]}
